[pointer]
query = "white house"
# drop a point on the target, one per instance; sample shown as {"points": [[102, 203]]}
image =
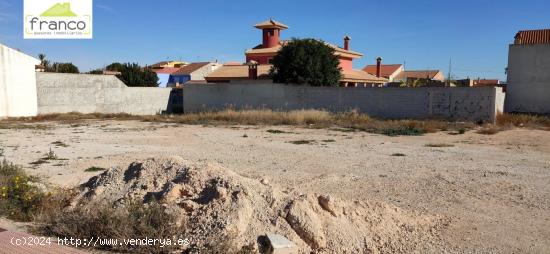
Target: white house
{"points": [[17, 83]]}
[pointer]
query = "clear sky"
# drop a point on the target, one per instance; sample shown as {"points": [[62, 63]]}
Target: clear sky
{"points": [[425, 34]]}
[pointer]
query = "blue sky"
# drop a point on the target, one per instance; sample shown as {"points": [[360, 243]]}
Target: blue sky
{"points": [[425, 34]]}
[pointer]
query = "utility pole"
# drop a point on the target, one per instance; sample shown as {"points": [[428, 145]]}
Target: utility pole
{"points": [[450, 69]]}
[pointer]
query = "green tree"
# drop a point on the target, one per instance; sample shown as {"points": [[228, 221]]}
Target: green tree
{"points": [[134, 75], [96, 71], [115, 67], [61, 67], [306, 62], [42, 58]]}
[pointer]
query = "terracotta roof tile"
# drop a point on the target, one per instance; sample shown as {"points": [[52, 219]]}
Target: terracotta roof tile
{"points": [[190, 68], [418, 74], [533, 37], [361, 77], [486, 82], [166, 70], [271, 24], [338, 51], [386, 70]]}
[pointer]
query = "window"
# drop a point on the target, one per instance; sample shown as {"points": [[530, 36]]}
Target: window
{"points": [[270, 60]]}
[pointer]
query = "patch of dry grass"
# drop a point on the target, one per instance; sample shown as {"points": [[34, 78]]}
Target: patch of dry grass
{"points": [[439, 145], [399, 154], [490, 129], [95, 169], [315, 119], [304, 118], [524, 120], [509, 121]]}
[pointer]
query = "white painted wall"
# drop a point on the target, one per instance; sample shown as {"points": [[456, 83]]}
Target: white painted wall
{"points": [[17, 83], [528, 89], [395, 74]]}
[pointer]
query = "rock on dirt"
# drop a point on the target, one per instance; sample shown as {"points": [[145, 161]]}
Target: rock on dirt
{"points": [[280, 245], [216, 203]]}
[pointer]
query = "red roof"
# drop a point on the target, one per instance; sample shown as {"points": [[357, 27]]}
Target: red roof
{"points": [[533, 37], [190, 68], [386, 70], [166, 70], [486, 82], [430, 74]]}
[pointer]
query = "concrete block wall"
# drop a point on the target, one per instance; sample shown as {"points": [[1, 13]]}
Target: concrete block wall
{"points": [[528, 89], [472, 104], [63, 93], [17, 83]]}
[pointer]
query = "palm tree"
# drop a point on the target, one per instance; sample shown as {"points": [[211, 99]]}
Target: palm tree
{"points": [[42, 57]]}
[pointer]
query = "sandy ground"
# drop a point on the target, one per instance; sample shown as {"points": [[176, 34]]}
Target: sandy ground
{"points": [[493, 189]]}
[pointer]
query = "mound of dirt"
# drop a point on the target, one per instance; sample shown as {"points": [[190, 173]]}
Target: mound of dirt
{"points": [[216, 203]]}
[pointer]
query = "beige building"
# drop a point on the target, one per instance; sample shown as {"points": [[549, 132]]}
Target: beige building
{"points": [[528, 88]]}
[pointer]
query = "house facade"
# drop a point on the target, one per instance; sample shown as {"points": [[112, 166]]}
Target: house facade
{"points": [[192, 72], [263, 54], [396, 73], [388, 71], [528, 85], [164, 74]]}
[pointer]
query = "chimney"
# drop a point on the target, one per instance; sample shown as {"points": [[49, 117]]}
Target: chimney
{"points": [[378, 66], [346, 42], [252, 69]]}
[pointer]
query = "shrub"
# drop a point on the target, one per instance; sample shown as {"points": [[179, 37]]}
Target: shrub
{"points": [[134, 220], [20, 199]]}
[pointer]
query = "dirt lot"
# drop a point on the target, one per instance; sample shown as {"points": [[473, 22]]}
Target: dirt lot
{"points": [[492, 189]]}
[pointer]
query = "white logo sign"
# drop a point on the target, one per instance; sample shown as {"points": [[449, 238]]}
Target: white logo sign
{"points": [[58, 19]]}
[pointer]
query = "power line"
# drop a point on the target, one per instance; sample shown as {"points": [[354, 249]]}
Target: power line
{"points": [[472, 70]]}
